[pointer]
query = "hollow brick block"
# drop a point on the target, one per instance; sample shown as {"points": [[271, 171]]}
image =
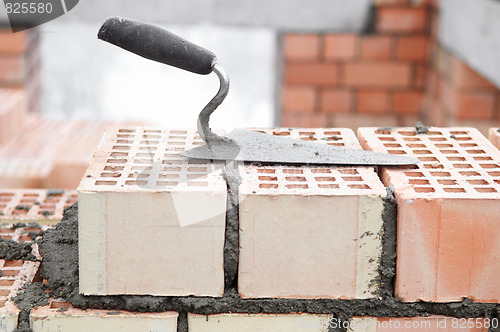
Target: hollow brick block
{"points": [[42, 206], [143, 205], [63, 317], [494, 136], [259, 322], [15, 274], [447, 208], [310, 231]]}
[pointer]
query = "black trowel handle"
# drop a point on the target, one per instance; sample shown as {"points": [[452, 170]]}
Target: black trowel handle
{"points": [[157, 44]]}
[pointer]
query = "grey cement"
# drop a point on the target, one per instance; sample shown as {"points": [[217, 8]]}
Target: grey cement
{"points": [[470, 29], [32, 295], [387, 268], [12, 250]]}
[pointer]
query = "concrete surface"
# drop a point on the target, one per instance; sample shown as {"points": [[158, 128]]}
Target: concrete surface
{"points": [[470, 29]]}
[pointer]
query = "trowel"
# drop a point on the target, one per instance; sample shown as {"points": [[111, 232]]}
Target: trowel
{"points": [[157, 44]]}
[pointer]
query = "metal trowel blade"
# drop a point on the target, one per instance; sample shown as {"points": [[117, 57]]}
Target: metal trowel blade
{"points": [[246, 145]]}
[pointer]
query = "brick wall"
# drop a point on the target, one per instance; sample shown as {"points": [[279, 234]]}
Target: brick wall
{"points": [[396, 74]]}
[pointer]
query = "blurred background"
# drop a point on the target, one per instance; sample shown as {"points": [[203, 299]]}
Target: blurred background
{"points": [[292, 63]]}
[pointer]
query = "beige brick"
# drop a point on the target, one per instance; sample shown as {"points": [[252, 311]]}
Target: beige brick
{"points": [[321, 224], [258, 322], [169, 211], [63, 317]]}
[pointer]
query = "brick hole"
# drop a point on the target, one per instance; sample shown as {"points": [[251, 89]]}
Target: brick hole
{"points": [[408, 167], [177, 137], [150, 149], [266, 170], [459, 132], [335, 144], [143, 161], [456, 158], [268, 185], [124, 136], [136, 182], [197, 169], [196, 162], [447, 182], [420, 152], [468, 145], [478, 182], [328, 186], [105, 183], [198, 143], [168, 176], [172, 162], [433, 165], [416, 145], [122, 147], [332, 133], [177, 149], [13, 263], [308, 133], [7, 230], [414, 174], [382, 132], [310, 138], [497, 181], [27, 201], [482, 158], [124, 141], [392, 145], [352, 178], [476, 151], [454, 190], [147, 143], [449, 151], [387, 139], [268, 178], [197, 184], [3, 206], [117, 161], [8, 237], [428, 159], [470, 173], [6, 196], [297, 186], [419, 181], [411, 139], [34, 195], [281, 133], [437, 139], [443, 146], [434, 133], [325, 179], [293, 171], [25, 238], [462, 166], [172, 169], [150, 136], [59, 304], [423, 189], [118, 154], [396, 151], [6, 282], [485, 190], [153, 131], [2, 303], [320, 170], [111, 175], [407, 133], [495, 173], [4, 292], [114, 168], [178, 132], [128, 131], [166, 183], [19, 212], [138, 176], [489, 166], [176, 143], [296, 178], [348, 171], [465, 138], [50, 207], [359, 186]]}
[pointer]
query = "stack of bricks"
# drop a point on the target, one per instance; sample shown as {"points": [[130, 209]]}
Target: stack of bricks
{"points": [[395, 74], [20, 63], [334, 79]]}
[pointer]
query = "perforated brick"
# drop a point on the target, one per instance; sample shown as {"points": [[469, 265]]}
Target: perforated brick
{"points": [[34, 205], [23, 172], [259, 322], [447, 208], [63, 317], [494, 136], [320, 224], [169, 211], [14, 275]]}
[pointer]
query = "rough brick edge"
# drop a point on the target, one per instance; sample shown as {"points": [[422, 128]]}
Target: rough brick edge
{"points": [[494, 137]]}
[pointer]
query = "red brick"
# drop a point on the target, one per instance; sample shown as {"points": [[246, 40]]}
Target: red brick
{"points": [[376, 47], [413, 48], [334, 101], [299, 99], [301, 120], [13, 70], [320, 74], [401, 20], [447, 207], [377, 74], [13, 43], [464, 76], [420, 76], [408, 102], [372, 101], [340, 46], [473, 105], [301, 47]]}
